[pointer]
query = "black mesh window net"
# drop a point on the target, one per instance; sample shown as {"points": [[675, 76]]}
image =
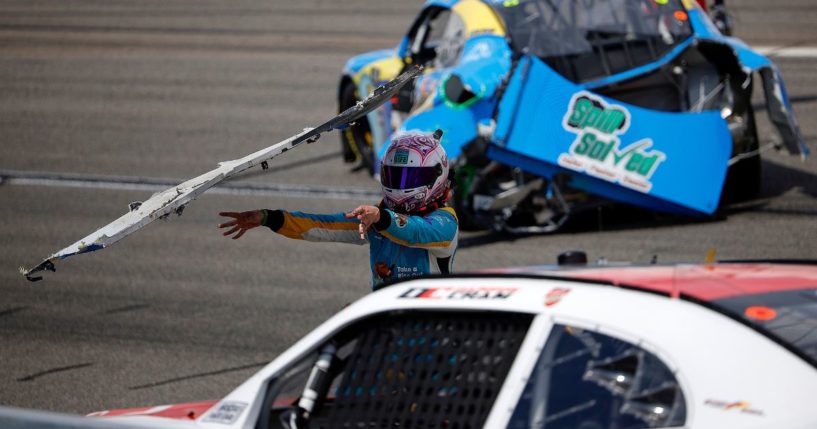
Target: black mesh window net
{"points": [[421, 370]]}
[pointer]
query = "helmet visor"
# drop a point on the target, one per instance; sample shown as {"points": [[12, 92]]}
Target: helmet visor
{"points": [[394, 177]]}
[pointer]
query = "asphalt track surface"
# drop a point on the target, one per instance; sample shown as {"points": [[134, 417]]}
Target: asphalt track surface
{"points": [[162, 90]]}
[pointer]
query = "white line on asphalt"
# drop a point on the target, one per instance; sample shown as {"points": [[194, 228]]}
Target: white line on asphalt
{"points": [[788, 52], [25, 178]]}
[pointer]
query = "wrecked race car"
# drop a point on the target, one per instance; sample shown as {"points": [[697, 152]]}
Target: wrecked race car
{"points": [[552, 106]]}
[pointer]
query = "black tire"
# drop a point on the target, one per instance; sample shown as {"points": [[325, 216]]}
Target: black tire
{"points": [[356, 141], [743, 181], [744, 178]]}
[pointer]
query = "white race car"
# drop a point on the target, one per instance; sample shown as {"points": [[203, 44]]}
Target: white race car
{"points": [[728, 345]]}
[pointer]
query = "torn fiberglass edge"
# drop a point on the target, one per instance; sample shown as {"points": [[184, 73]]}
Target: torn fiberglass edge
{"points": [[174, 200], [779, 108]]}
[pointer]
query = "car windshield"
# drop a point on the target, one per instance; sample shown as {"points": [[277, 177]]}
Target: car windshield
{"points": [[588, 39]]}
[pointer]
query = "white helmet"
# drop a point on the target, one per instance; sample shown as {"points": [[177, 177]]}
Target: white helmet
{"points": [[414, 172]]}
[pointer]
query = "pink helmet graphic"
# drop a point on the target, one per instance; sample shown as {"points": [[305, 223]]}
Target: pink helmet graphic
{"points": [[414, 172]]}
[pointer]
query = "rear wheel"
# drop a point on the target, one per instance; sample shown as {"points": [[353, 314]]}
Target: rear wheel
{"points": [[356, 140]]}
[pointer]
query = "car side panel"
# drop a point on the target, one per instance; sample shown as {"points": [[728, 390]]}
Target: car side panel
{"points": [[674, 162]]}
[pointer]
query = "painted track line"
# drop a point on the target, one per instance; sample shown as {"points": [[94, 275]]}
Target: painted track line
{"points": [[126, 183], [788, 51]]}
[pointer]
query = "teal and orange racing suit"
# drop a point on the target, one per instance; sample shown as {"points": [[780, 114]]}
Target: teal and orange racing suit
{"points": [[400, 245]]}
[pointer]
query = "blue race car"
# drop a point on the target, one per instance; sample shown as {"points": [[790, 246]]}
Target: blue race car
{"points": [[549, 106]]}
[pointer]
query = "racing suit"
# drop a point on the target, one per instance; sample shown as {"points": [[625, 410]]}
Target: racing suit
{"points": [[400, 245]]}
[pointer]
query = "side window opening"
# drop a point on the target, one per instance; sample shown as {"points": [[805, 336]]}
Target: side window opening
{"points": [[588, 380], [291, 384], [407, 369], [428, 36], [450, 42]]}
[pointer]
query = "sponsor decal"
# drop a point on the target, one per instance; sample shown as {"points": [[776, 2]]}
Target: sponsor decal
{"points": [[407, 272], [226, 413], [741, 406], [401, 156], [478, 52], [597, 149], [453, 293], [400, 220], [555, 295]]}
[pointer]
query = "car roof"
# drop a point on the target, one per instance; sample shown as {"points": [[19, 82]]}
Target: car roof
{"points": [[776, 299], [703, 282]]}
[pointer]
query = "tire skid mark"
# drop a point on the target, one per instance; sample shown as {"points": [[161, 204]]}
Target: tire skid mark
{"points": [[204, 12], [13, 310], [312, 48], [30, 178], [786, 211], [126, 308], [199, 375], [147, 30], [53, 371]]}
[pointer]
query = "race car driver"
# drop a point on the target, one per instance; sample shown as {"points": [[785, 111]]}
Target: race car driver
{"points": [[410, 232]]}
